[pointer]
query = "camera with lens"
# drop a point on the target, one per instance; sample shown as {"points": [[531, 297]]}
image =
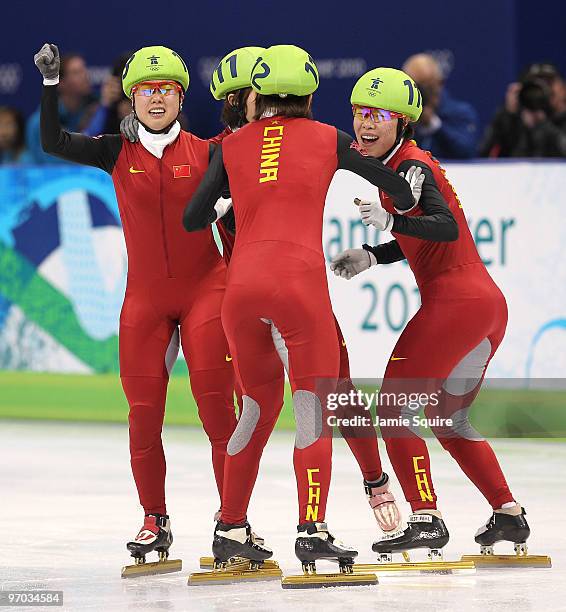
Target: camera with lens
{"points": [[534, 95]]}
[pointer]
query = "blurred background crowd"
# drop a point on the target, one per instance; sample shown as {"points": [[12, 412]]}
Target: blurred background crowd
{"points": [[531, 121], [492, 75]]}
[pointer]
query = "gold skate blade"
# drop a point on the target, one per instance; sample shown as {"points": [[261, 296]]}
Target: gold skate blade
{"points": [[208, 563], [495, 561], [442, 568], [150, 569], [234, 574], [318, 581]]}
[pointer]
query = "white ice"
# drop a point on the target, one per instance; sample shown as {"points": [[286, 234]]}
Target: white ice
{"points": [[68, 505]]}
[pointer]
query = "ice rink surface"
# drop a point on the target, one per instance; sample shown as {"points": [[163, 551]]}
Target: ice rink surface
{"points": [[69, 505]]}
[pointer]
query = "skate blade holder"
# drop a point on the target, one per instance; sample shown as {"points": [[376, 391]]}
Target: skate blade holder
{"points": [[310, 579], [235, 572], [521, 558], [208, 563], [441, 568], [434, 565], [151, 569]]}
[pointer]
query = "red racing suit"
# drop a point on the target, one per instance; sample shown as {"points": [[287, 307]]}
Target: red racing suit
{"points": [[446, 347], [279, 171], [175, 288]]}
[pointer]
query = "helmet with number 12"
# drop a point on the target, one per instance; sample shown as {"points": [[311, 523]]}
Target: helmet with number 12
{"points": [[285, 70]]}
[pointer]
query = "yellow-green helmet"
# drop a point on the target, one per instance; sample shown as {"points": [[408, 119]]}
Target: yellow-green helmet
{"points": [[285, 70], [389, 89], [234, 71], [154, 64]]}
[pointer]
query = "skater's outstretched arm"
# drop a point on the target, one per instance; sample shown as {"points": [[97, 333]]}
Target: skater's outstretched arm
{"points": [[101, 152], [386, 253], [437, 223], [374, 171], [202, 210]]}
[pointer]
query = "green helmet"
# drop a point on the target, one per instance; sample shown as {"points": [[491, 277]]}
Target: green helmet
{"points": [[234, 71], [154, 64], [389, 89], [285, 70]]}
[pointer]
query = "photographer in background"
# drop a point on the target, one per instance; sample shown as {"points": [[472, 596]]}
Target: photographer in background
{"points": [[533, 121], [114, 105], [447, 127]]}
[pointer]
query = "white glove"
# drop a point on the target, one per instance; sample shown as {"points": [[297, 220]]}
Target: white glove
{"points": [[351, 262], [373, 213], [415, 177], [222, 206]]}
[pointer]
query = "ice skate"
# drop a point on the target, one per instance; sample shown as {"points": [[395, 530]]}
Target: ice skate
{"points": [[424, 531], [155, 535], [314, 543], [208, 562], [239, 556], [383, 504], [506, 525]]}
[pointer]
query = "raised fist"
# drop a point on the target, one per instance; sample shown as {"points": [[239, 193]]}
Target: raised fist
{"points": [[47, 61]]}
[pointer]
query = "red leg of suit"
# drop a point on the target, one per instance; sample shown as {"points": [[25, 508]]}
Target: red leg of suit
{"points": [[434, 344], [303, 316], [473, 454], [146, 396], [211, 373], [148, 348], [146, 340], [261, 405]]}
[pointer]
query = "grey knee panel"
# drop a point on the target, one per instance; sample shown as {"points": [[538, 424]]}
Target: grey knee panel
{"points": [[308, 418], [467, 374], [462, 427], [246, 426]]}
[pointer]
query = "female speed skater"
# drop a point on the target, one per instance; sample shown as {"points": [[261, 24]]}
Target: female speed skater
{"points": [[176, 281], [277, 273], [449, 343], [231, 83]]}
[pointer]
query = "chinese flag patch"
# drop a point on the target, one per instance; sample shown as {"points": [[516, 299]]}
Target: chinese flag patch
{"points": [[183, 171]]}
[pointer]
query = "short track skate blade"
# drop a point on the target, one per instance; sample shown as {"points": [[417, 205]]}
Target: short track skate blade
{"points": [[319, 581], [441, 568], [150, 569], [234, 574], [501, 561], [208, 563]]}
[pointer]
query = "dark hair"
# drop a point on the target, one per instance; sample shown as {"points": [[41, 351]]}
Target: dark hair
{"points": [[290, 106], [234, 115], [541, 70], [408, 132], [19, 142]]}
